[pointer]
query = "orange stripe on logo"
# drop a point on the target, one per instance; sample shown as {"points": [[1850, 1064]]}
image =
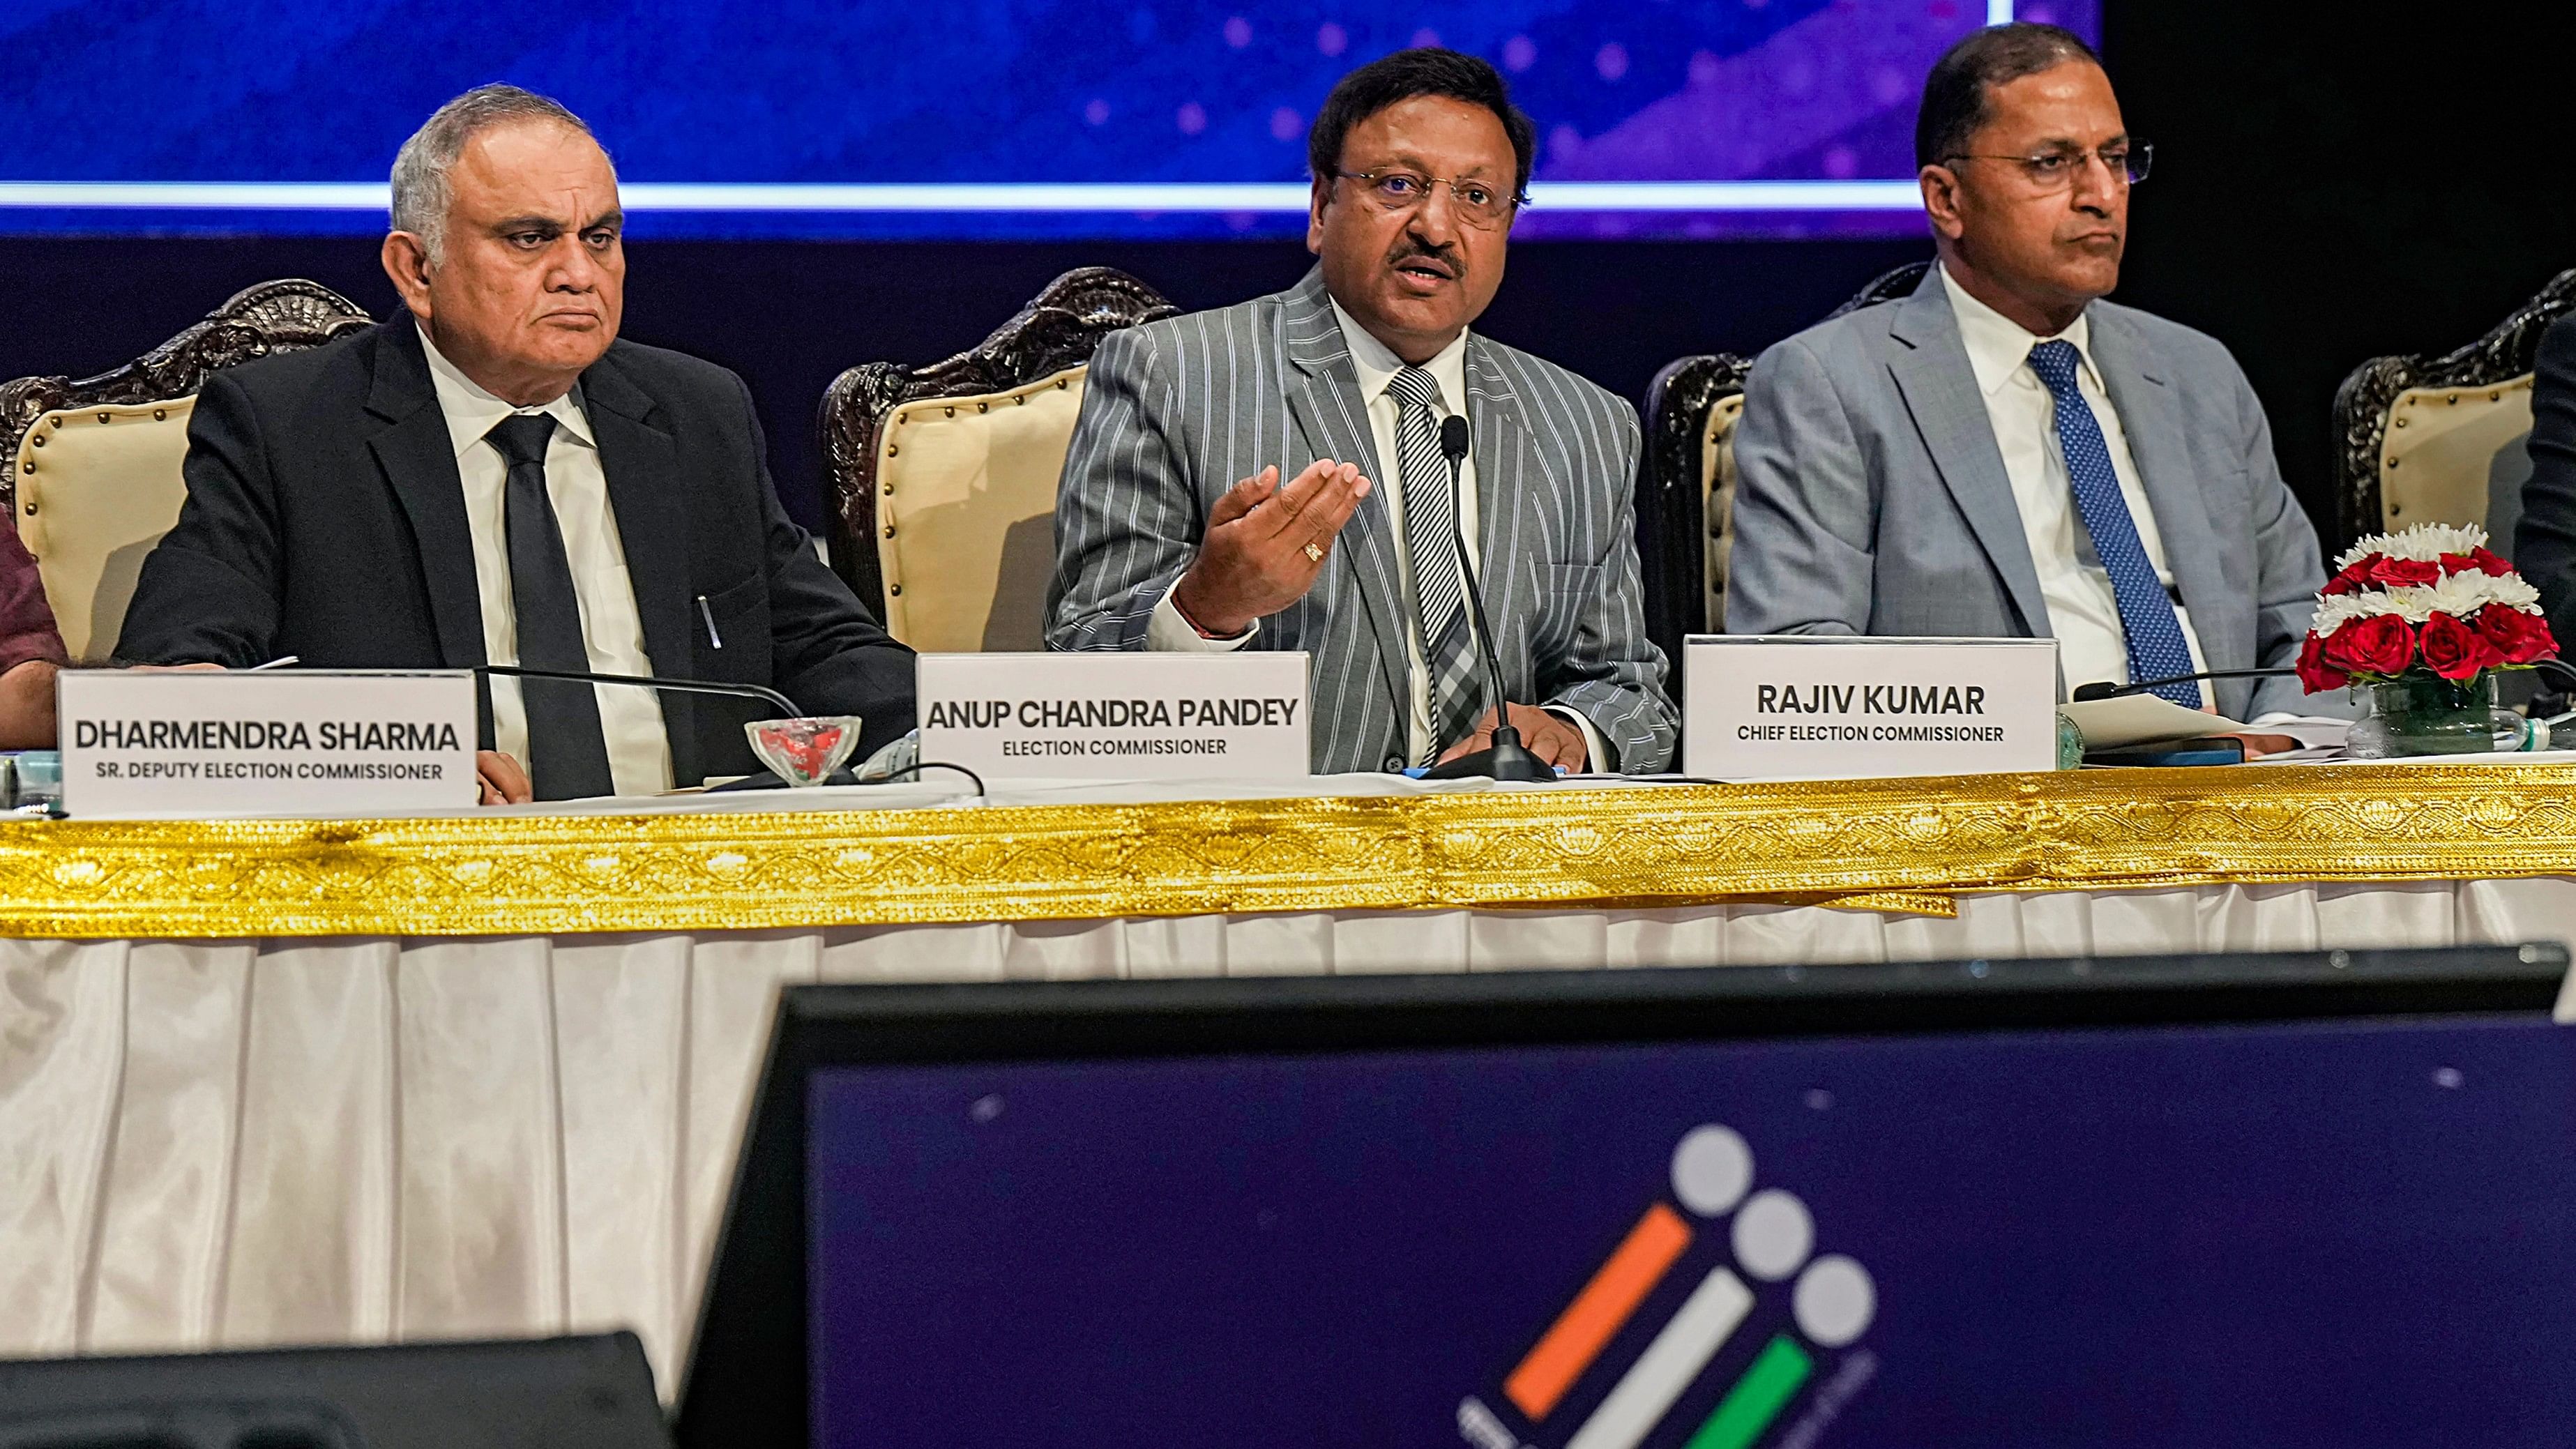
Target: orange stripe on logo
{"points": [[1586, 1325]]}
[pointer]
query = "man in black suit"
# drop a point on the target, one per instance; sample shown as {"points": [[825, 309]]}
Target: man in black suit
{"points": [[2544, 541], [495, 478]]}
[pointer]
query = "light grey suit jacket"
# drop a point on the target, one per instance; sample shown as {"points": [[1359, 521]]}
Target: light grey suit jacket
{"points": [[1176, 412], [1871, 498]]}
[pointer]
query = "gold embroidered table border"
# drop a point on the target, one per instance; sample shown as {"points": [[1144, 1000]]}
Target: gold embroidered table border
{"points": [[1893, 844]]}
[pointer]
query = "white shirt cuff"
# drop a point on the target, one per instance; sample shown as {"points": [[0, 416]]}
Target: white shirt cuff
{"points": [[1169, 633], [1596, 755]]}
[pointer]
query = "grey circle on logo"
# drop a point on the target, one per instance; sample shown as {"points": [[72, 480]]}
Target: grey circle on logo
{"points": [[1711, 1169], [1834, 1301], [1773, 1235]]}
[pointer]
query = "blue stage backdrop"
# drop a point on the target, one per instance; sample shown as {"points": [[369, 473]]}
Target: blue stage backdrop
{"points": [[1007, 118]]}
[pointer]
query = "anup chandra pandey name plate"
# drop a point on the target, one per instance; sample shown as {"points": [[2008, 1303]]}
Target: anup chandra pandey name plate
{"points": [[1836, 707], [1117, 716], [174, 743]]}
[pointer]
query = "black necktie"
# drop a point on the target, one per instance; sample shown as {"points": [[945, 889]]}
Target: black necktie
{"points": [[567, 752]]}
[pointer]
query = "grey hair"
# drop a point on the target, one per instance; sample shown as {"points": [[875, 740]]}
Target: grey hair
{"points": [[421, 192]]}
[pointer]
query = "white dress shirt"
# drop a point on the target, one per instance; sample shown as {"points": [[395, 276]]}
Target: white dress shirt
{"points": [[1376, 364], [2082, 609], [612, 629]]}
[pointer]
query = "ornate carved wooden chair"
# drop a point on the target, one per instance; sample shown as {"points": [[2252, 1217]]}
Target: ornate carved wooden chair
{"points": [[943, 478], [2441, 439], [93, 474], [1686, 497], [1887, 286]]}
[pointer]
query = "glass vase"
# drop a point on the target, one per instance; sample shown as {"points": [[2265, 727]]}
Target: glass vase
{"points": [[2424, 714]]}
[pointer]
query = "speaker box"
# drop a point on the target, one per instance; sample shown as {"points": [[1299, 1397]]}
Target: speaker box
{"points": [[559, 1393]]}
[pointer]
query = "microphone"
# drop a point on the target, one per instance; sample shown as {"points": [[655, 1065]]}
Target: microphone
{"points": [[2105, 689], [1507, 758], [786, 707]]}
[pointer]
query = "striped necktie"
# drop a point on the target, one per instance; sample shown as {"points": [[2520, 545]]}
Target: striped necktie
{"points": [[2156, 647], [1430, 537]]}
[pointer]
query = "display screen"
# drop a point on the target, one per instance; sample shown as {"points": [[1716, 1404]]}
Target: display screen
{"points": [[2245, 1235], [1011, 118]]}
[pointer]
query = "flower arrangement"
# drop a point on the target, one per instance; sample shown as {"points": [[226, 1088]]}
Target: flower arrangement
{"points": [[2430, 602]]}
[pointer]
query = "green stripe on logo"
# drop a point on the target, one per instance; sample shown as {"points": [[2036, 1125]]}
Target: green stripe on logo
{"points": [[1749, 1407]]}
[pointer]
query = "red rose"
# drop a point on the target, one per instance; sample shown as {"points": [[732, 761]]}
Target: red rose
{"points": [[2351, 579], [2516, 637], [2396, 571], [2380, 644], [2314, 673], [2453, 650], [2476, 560]]}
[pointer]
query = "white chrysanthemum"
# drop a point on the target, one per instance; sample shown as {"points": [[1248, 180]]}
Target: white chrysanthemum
{"points": [[2423, 543], [2514, 592], [2336, 610], [2410, 602], [2460, 595]]}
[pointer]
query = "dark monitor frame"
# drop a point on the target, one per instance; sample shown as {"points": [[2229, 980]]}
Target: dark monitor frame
{"points": [[586, 1391], [747, 1380]]}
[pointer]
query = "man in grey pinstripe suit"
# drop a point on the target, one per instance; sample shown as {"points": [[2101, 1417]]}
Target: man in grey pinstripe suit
{"points": [[1272, 475]]}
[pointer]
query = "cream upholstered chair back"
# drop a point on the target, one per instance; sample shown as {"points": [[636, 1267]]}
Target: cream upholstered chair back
{"points": [[1686, 498], [943, 478], [966, 514], [94, 474], [96, 490], [2456, 455], [2442, 439], [1717, 470]]}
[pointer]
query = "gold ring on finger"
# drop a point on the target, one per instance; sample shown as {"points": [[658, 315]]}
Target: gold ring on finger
{"points": [[1314, 553]]}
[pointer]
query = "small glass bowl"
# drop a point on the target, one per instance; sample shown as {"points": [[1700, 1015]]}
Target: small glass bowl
{"points": [[804, 751]]}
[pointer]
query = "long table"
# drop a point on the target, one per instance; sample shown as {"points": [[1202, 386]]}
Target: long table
{"points": [[355, 1080]]}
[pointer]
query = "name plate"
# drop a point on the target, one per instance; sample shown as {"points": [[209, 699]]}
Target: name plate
{"points": [[162, 744], [1116, 716], [1811, 707]]}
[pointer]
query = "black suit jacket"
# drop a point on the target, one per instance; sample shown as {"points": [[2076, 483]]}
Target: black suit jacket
{"points": [[325, 519], [2544, 542]]}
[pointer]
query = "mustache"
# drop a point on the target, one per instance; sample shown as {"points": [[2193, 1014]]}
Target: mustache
{"points": [[1445, 256]]}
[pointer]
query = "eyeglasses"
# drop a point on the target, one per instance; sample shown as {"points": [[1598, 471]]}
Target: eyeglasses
{"points": [[1478, 203], [2049, 171]]}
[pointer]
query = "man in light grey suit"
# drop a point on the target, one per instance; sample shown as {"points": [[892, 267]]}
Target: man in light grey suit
{"points": [[2004, 454], [1271, 476]]}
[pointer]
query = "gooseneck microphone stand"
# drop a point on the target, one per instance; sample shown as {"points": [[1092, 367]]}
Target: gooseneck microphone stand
{"points": [[1507, 758], [2105, 689], [786, 707]]}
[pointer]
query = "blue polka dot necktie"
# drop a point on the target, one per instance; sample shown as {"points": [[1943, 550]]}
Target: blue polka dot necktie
{"points": [[2156, 647]]}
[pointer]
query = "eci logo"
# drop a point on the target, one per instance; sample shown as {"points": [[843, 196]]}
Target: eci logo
{"points": [[1773, 1240]]}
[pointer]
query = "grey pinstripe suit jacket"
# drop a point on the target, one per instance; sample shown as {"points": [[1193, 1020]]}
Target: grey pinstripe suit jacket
{"points": [[1175, 412], [1873, 498]]}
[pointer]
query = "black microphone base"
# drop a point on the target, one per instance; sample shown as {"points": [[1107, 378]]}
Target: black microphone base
{"points": [[1506, 760]]}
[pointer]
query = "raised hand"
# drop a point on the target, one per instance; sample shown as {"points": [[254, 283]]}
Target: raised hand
{"points": [[1265, 544]]}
